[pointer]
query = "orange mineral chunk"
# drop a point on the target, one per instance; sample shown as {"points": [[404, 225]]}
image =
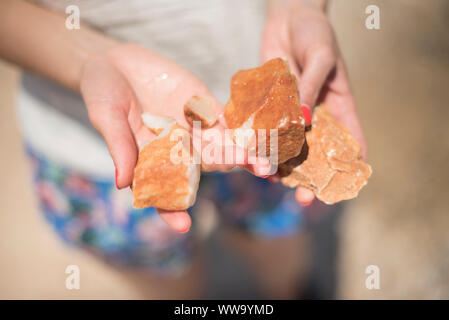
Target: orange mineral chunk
{"points": [[333, 167], [267, 98], [166, 176]]}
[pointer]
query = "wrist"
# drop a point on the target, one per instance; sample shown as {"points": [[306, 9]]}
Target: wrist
{"points": [[320, 5], [275, 5], [90, 47], [282, 9]]}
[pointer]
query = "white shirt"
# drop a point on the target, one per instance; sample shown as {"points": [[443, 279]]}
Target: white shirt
{"points": [[211, 38]]}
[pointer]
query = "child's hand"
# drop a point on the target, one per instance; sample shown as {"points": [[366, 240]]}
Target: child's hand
{"points": [[301, 32], [119, 86]]}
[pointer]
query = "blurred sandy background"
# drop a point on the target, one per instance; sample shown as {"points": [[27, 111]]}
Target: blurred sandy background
{"points": [[400, 222]]}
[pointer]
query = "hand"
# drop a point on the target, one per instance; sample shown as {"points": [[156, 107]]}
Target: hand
{"points": [[301, 32], [121, 84]]}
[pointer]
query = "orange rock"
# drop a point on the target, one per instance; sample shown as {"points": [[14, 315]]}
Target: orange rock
{"points": [[200, 109], [333, 167], [166, 176], [267, 98]]}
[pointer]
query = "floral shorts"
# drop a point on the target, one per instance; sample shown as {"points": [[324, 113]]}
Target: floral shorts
{"points": [[91, 213]]}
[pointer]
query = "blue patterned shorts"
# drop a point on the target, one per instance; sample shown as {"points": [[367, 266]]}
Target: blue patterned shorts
{"points": [[91, 213]]}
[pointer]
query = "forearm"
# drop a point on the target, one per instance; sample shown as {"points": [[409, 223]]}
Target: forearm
{"points": [[38, 40], [319, 4], [275, 6]]}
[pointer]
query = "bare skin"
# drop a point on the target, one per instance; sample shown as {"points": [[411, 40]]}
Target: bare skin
{"points": [[135, 80], [138, 79], [117, 81], [300, 31]]}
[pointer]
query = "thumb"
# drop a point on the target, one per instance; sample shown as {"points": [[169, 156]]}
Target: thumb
{"points": [[316, 68], [177, 220], [112, 123], [108, 100]]}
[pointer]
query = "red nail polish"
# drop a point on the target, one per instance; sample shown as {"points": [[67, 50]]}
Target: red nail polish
{"points": [[307, 114], [264, 177], [307, 203], [116, 176]]}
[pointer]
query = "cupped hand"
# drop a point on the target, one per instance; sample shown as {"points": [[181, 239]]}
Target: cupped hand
{"points": [[301, 32], [121, 84]]}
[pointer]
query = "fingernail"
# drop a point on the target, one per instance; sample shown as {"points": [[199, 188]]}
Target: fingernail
{"points": [[116, 176], [260, 161], [306, 204], [273, 179], [264, 177], [307, 114]]}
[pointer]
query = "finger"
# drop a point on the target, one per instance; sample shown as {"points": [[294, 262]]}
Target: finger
{"points": [[209, 142], [304, 196], [338, 97], [112, 123], [271, 54], [217, 150], [276, 42], [316, 68], [177, 220], [233, 156], [260, 166], [274, 178], [109, 100]]}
